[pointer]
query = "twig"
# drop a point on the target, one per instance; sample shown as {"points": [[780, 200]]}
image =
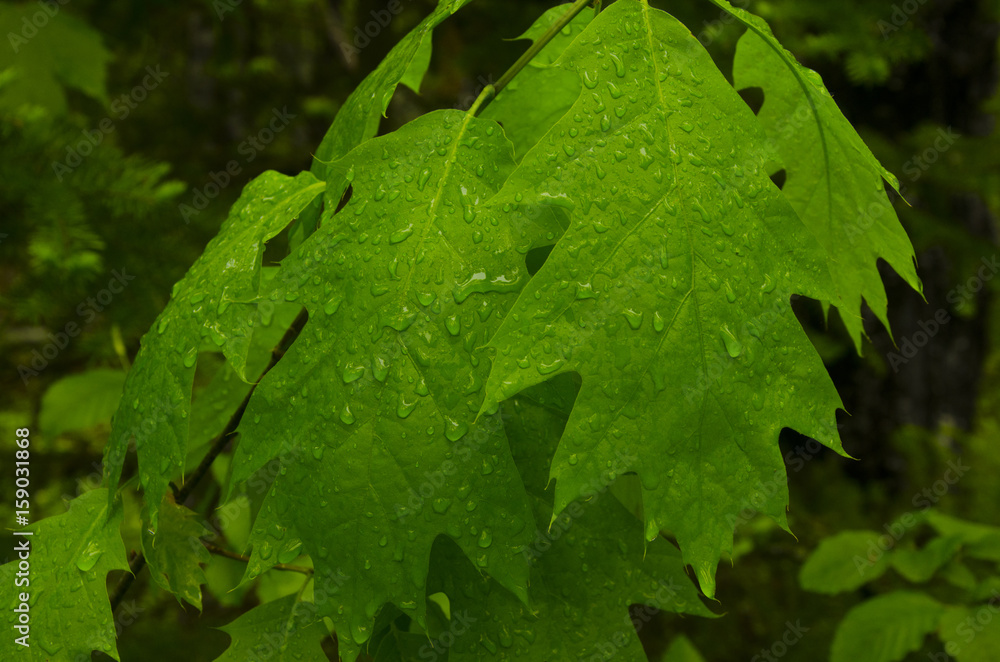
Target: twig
{"points": [[536, 47], [138, 561], [219, 551]]}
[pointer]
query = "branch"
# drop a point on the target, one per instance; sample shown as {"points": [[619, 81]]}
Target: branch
{"points": [[219, 551], [138, 561], [536, 47]]}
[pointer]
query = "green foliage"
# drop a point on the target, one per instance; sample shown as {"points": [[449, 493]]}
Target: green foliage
{"points": [[71, 556], [68, 189], [833, 181], [64, 410], [599, 286], [284, 630], [41, 61], [886, 628], [889, 626]]}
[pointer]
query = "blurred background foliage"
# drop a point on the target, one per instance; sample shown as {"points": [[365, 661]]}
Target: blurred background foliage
{"points": [[904, 78]]}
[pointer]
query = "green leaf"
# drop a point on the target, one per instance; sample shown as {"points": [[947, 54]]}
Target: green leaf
{"points": [[79, 402], [525, 113], [919, 565], [371, 414], [669, 292], [175, 553], [70, 558], [979, 541], [971, 634], [844, 562], [886, 628], [211, 309], [589, 565], [833, 181], [682, 650], [283, 630], [63, 53]]}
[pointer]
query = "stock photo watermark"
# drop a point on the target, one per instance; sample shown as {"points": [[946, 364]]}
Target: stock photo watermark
{"points": [[87, 310], [929, 328], [249, 149], [122, 106], [30, 25]]}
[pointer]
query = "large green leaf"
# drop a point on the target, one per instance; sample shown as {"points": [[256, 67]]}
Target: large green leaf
{"points": [[70, 558], [208, 311], [669, 293], [590, 565], [886, 628], [283, 630], [833, 180], [371, 414]]}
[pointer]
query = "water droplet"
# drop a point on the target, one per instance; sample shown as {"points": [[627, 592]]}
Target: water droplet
{"points": [[549, 368], [634, 319], [404, 408], [401, 235], [733, 346], [89, 557], [352, 373], [485, 538], [332, 306], [619, 65], [346, 415], [422, 180]]}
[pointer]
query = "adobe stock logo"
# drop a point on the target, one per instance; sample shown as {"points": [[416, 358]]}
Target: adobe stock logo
{"points": [[912, 344]]}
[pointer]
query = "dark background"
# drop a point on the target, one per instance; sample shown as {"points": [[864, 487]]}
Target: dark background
{"points": [[900, 77]]}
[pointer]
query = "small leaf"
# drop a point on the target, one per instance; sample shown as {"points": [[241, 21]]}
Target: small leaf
{"points": [[79, 402], [682, 650], [175, 553], [980, 541], [886, 628], [919, 565], [64, 53], [844, 562]]}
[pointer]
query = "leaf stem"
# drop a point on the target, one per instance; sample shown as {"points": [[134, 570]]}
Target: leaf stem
{"points": [[535, 48], [219, 551], [138, 561]]}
